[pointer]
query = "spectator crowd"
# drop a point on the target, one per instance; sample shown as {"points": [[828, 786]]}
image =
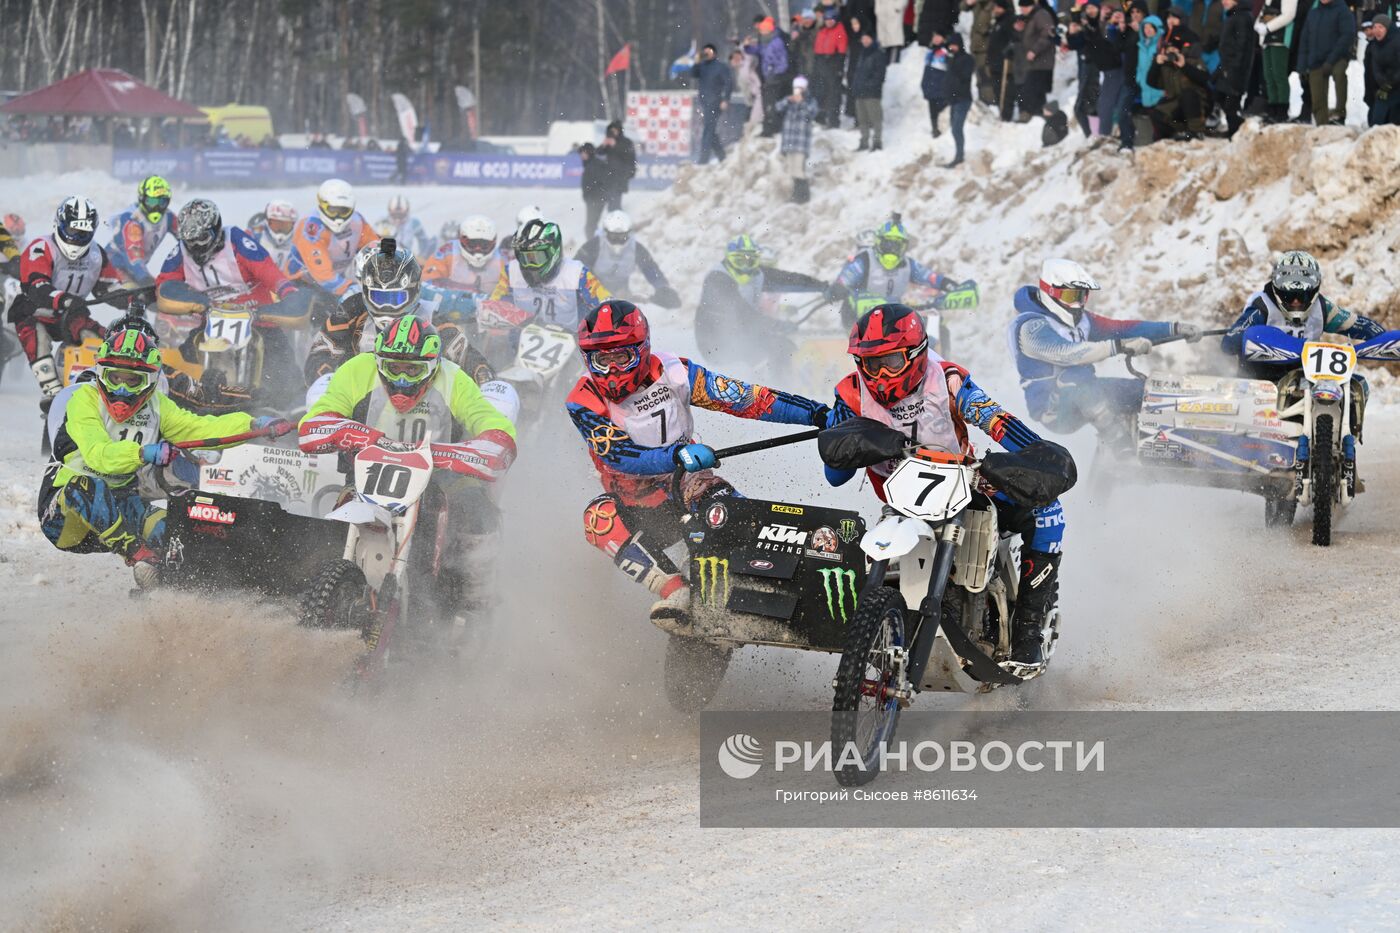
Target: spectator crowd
{"points": [[1145, 70]]}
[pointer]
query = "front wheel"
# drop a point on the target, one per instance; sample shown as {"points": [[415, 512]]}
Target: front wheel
{"points": [[694, 671], [1324, 481], [337, 598], [865, 708]]}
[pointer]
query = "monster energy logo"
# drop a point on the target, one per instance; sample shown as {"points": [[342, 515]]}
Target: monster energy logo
{"points": [[308, 481], [713, 575], [847, 530], [836, 581]]}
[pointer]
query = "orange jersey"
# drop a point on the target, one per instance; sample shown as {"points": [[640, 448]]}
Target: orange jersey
{"points": [[325, 258]]}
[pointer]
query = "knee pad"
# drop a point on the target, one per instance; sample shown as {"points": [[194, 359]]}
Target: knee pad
{"points": [[603, 526]]}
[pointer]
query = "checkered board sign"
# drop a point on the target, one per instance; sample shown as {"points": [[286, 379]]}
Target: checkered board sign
{"points": [[659, 121]]}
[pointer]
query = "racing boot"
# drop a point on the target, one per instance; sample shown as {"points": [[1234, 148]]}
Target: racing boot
{"points": [[145, 567], [1034, 599], [670, 613]]}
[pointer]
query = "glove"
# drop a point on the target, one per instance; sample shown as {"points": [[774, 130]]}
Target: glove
{"points": [[70, 303], [820, 415], [1191, 332], [161, 453], [666, 297], [274, 426], [486, 457], [836, 291], [1134, 346], [501, 314], [696, 457], [1262, 28]]}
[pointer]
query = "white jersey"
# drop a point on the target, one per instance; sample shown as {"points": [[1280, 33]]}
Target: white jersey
{"points": [[462, 276], [555, 303], [431, 416], [280, 253], [890, 284], [74, 276], [614, 267], [924, 416], [659, 414], [1311, 329], [221, 279]]}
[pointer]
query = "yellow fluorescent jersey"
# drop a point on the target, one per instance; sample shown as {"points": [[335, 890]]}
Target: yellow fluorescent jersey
{"points": [[452, 409], [92, 443]]}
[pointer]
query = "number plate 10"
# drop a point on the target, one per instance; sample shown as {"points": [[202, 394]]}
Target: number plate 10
{"points": [[1328, 362]]}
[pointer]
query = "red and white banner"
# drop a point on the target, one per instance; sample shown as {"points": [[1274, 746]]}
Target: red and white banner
{"points": [[659, 121]]}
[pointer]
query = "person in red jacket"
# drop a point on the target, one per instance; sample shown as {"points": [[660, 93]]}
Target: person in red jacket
{"points": [[57, 274], [830, 51], [226, 265]]}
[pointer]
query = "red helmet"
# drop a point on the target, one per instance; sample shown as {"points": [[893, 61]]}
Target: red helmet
{"points": [[890, 346], [616, 344]]}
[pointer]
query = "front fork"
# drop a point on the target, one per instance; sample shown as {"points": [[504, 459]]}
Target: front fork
{"points": [[931, 608]]}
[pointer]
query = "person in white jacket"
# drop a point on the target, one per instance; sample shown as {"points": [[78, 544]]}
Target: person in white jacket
{"points": [[1275, 29]]}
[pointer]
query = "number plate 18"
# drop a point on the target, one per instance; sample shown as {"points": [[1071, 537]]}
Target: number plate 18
{"points": [[1328, 362]]}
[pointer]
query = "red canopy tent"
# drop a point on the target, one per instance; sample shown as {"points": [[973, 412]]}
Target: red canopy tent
{"points": [[100, 92]]}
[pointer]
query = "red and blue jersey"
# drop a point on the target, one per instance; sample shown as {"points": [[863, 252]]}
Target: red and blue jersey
{"points": [[241, 272], [135, 241]]}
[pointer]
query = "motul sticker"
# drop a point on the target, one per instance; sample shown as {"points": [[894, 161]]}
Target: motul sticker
{"points": [[211, 513]]}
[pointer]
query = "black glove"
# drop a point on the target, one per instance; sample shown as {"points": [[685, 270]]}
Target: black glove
{"points": [[819, 416], [836, 291], [666, 297], [70, 303]]}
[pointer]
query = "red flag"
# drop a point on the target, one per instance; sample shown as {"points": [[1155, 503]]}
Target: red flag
{"points": [[621, 61]]}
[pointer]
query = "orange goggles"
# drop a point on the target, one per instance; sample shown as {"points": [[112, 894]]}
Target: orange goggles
{"points": [[893, 363]]}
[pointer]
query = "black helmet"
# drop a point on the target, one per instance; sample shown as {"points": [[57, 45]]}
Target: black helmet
{"points": [[390, 279], [539, 248], [200, 229]]}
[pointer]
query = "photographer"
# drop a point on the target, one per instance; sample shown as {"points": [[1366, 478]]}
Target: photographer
{"points": [[1177, 72]]}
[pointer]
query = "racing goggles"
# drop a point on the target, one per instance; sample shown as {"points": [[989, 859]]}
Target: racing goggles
{"points": [[155, 208], [335, 212], [1070, 297], [613, 359], [619, 239], [405, 374], [388, 297], [533, 258], [893, 363], [892, 246], [477, 247], [280, 227], [1296, 297], [743, 260], [126, 382]]}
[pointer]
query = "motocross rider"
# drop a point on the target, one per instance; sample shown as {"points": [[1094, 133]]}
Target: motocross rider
{"points": [[1055, 343], [730, 323], [540, 284], [407, 229], [615, 254], [325, 243], [43, 311], [469, 260], [1292, 301], [900, 382], [882, 272], [405, 392], [226, 266], [390, 288], [140, 230], [112, 426], [633, 408], [272, 227]]}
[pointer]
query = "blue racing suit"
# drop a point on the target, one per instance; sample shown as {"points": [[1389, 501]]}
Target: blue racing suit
{"points": [[1055, 363]]}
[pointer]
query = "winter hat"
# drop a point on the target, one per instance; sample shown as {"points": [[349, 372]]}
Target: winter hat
{"points": [[765, 24], [1023, 4], [1380, 19], [952, 40], [1177, 11], [799, 83]]}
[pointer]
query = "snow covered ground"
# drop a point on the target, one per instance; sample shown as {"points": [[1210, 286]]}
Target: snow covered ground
{"points": [[186, 763]]}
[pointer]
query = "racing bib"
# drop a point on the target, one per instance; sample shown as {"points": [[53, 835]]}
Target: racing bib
{"points": [[555, 303], [659, 414], [924, 416], [221, 279]]}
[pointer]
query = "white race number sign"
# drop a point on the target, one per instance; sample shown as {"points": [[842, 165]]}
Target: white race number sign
{"points": [[1328, 362]]}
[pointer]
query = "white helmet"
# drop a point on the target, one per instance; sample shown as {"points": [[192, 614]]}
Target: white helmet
{"points": [[1295, 282], [398, 208], [528, 213], [1064, 289], [477, 238], [617, 228], [280, 218], [336, 201], [74, 226]]}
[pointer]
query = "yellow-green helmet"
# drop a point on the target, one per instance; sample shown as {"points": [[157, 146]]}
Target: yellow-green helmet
{"points": [[891, 243], [742, 258], [407, 353], [128, 365], [153, 197]]}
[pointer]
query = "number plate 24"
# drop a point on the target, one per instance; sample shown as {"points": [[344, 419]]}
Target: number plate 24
{"points": [[545, 350]]}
